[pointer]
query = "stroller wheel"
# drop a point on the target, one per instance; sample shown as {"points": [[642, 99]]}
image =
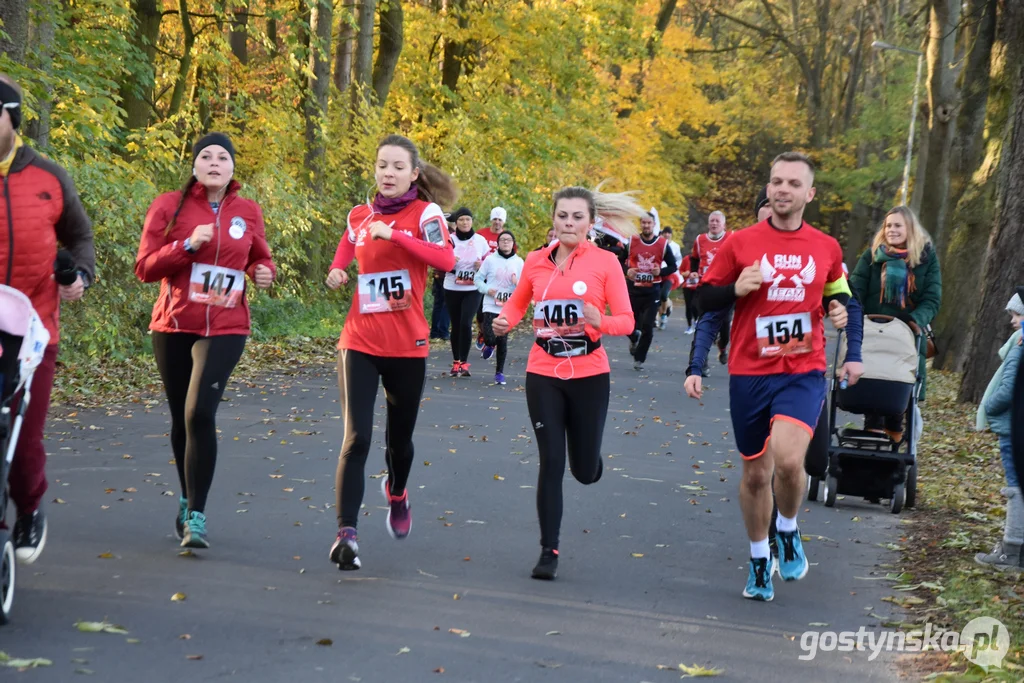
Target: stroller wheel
{"points": [[899, 497], [912, 486], [831, 489], [812, 487], [7, 571]]}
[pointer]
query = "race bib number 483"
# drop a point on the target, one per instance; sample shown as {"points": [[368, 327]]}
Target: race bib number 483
{"points": [[384, 292], [216, 286], [781, 335], [559, 318], [464, 276]]}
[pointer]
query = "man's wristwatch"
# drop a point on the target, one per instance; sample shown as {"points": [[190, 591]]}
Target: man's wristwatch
{"points": [[188, 246]]}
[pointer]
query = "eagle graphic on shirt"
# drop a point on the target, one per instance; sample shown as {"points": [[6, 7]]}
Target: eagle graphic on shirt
{"points": [[783, 286], [645, 264]]}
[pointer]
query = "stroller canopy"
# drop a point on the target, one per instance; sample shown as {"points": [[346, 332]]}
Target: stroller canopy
{"points": [[889, 351], [19, 319]]}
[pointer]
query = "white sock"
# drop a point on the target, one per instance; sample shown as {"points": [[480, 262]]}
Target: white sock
{"points": [[785, 523], [760, 549]]}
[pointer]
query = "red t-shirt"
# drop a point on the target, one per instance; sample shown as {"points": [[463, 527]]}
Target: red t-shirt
{"points": [[491, 237], [705, 249], [386, 317], [646, 258], [778, 328]]}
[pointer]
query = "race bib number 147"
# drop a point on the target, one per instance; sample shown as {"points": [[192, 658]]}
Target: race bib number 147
{"points": [[215, 286]]}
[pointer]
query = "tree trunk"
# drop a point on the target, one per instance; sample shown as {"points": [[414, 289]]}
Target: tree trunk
{"points": [[668, 7], [315, 114], [137, 86], [343, 48], [855, 70], [178, 95], [41, 58], [363, 76], [240, 34], [388, 51], [14, 15], [944, 17], [1004, 266], [970, 124], [454, 52]]}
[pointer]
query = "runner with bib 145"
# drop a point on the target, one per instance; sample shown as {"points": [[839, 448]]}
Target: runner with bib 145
{"points": [[782, 275]]}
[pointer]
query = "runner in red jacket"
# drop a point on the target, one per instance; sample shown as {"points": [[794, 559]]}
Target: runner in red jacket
{"points": [[385, 339], [567, 374], [39, 208], [201, 243]]}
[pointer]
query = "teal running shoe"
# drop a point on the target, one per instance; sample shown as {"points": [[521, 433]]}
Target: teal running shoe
{"points": [[195, 531], [759, 583], [793, 563]]}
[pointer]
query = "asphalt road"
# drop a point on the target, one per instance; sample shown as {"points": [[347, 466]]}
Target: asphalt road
{"points": [[653, 556]]}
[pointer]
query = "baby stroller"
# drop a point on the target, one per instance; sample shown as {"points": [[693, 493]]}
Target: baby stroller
{"points": [[23, 341], [865, 463]]}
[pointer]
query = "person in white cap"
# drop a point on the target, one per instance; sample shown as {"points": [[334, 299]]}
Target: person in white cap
{"points": [[491, 234]]}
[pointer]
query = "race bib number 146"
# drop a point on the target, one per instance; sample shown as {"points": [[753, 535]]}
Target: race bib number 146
{"points": [[559, 318]]}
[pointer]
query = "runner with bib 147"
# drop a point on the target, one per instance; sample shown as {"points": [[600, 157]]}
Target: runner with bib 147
{"points": [[782, 275], [394, 239]]}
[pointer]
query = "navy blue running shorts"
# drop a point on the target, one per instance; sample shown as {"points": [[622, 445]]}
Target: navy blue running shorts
{"points": [[756, 401]]}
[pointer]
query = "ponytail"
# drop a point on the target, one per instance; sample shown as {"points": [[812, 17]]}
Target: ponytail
{"points": [[619, 210], [185, 190], [433, 184]]}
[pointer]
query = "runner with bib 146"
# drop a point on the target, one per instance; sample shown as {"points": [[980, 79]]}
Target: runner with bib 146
{"points": [[394, 239], [782, 275]]}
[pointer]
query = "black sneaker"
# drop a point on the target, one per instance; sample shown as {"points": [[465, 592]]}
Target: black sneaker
{"points": [[29, 536], [345, 551], [723, 357], [547, 565], [634, 339]]}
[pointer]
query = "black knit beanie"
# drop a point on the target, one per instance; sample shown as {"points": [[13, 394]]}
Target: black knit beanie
{"points": [[213, 139]]}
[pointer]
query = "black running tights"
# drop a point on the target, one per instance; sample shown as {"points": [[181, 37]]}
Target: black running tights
{"points": [[195, 372], [499, 343], [358, 377], [462, 307], [565, 412]]}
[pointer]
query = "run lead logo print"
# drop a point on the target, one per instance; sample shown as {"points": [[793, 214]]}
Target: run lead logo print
{"points": [[785, 287]]}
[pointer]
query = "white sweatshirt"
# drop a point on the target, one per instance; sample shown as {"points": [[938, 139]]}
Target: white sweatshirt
{"points": [[502, 274], [467, 253]]}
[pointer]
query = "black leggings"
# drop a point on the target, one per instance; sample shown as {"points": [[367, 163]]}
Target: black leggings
{"points": [[645, 312], [565, 411], [462, 307], [500, 343], [195, 371], [691, 312], [358, 377]]}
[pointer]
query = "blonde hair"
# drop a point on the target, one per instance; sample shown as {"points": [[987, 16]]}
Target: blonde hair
{"points": [[917, 237], [619, 210]]}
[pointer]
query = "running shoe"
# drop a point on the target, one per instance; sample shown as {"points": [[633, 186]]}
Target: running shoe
{"points": [[195, 531], [634, 339], [499, 378], [663, 323], [179, 521], [487, 352], [690, 331], [793, 563], [456, 367], [399, 520], [479, 342], [638, 366], [464, 370], [345, 551], [723, 357], [759, 582], [547, 565], [29, 536]]}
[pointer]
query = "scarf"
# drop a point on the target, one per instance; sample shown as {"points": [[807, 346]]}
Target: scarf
{"points": [[390, 205], [463, 236], [897, 278]]}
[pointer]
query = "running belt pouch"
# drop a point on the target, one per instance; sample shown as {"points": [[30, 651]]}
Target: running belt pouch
{"points": [[566, 348]]}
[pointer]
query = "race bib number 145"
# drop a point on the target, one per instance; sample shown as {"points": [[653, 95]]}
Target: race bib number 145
{"points": [[384, 292]]}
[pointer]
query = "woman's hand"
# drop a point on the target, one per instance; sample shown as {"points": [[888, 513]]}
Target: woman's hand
{"points": [[263, 276], [336, 278], [592, 314], [201, 235], [476, 265], [500, 326], [631, 274], [380, 230], [491, 292]]}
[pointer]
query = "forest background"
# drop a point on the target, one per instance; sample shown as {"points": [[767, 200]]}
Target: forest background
{"points": [[686, 101]]}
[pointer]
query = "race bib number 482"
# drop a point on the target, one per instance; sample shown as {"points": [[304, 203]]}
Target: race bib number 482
{"points": [[781, 335], [215, 286], [384, 292], [559, 318]]}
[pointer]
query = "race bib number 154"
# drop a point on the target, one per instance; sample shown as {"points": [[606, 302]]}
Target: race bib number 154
{"points": [[781, 335]]}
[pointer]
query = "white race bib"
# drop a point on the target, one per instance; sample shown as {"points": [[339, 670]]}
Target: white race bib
{"points": [[502, 295], [781, 335], [384, 292], [216, 286], [559, 318]]}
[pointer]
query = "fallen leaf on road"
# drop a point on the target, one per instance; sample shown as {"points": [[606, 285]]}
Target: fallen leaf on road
{"points": [[59, 501], [185, 636], [459, 632], [86, 672], [403, 651], [325, 641], [106, 556], [439, 670], [817, 623], [456, 597], [553, 633], [132, 641], [194, 658], [100, 627], [699, 671], [549, 664], [637, 555], [13, 663], [178, 597], [498, 477], [451, 450]]}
